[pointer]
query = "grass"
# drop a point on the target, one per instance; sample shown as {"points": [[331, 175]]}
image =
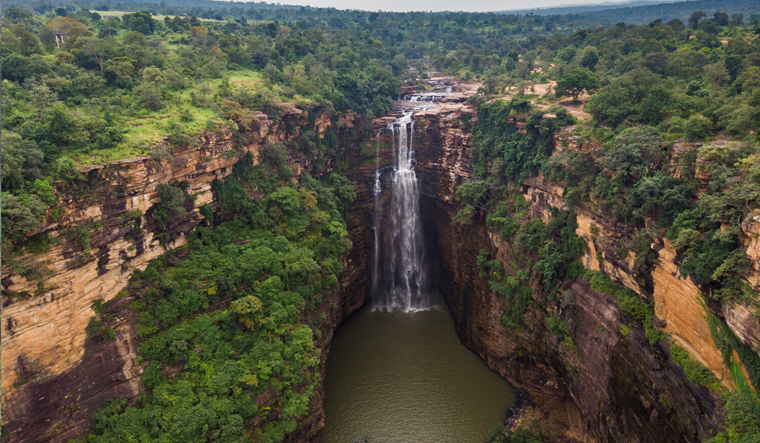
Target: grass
{"points": [[244, 78], [106, 155], [159, 17], [147, 128]]}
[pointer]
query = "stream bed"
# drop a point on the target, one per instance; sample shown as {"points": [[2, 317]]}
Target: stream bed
{"points": [[404, 377]]}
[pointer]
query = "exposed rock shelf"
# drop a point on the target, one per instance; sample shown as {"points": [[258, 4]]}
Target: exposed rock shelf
{"points": [[620, 388], [53, 376]]}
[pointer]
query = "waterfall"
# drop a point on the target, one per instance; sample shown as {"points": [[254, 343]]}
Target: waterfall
{"points": [[378, 191], [403, 284]]}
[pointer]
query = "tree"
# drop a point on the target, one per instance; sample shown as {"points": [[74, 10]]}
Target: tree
{"points": [[42, 97], [590, 57], [655, 106], [568, 54], [141, 22], [400, 65], [709, 27], [632, 153], [232, 110], [742, 119], [717, 73], [73, 27], [21, 41], [21, 215], [109, 28], [660, 195], [120, 71], [675, 24], [176, 24], [577, 81], [12, 165], [152, 89], [170, 207], [621, 100], [695, 18], [248, 308], [199, 35], [698, 127], [16, 15], [721, 18], [98, 48]]}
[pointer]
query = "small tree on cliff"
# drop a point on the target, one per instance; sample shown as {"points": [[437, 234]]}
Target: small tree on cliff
{"points": [[576, 81]]}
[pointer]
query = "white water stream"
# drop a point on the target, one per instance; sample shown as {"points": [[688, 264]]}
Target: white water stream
{"points": [[401, 283]]}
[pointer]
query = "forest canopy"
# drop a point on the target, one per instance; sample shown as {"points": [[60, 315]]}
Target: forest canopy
{"points": [[667, 110]]}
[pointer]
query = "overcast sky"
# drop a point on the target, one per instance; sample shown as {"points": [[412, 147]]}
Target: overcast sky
{"points": [[439, 5]]}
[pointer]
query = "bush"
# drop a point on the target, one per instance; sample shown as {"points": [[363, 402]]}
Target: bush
{"points": [[629, 302], [170, 207], [696, 372], [698, 127], [522, 434], [21, 215]]}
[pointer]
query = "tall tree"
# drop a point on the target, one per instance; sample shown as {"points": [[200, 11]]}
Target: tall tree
{"points": [[577, 81]]}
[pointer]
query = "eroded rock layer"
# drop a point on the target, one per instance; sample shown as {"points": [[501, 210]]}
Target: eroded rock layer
{"points": [[54, 377], [605, 386]]}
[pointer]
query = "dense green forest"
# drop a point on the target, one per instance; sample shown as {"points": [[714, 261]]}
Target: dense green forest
{"points": [[653, 89], [643, 12], [180, 68], [236, 311], [81, 103]]}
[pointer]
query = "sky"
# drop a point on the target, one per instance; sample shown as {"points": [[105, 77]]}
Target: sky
{"points": [[440, 5]]}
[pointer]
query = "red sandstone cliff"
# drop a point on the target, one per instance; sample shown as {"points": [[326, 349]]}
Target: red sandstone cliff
{"points": [[611, 387]]}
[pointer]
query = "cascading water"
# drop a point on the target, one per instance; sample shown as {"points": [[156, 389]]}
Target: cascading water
{"points": [[403, 283], [398, 377], [378, 191]]}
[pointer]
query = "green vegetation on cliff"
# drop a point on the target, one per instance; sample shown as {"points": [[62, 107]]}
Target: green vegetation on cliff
{"points": [[667, 146], [228, 323], [129, 85], [678, 157]]}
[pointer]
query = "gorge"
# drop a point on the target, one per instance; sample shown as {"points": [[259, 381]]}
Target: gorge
{"points": [[397, 371], [397, 376], [258, 223], [602, 383]]}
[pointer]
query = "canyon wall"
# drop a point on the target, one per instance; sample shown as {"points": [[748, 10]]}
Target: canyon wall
{"points": [[606, 384], [54, 377]]}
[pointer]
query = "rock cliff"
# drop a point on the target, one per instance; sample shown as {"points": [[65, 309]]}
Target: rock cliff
{"points": [[603, 385], [54, 377]]}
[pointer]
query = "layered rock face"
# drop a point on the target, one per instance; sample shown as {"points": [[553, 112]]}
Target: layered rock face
{"points": [[606, 385], [54, 377]]}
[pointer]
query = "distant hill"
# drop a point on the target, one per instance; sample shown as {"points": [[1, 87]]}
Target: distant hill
{"points": [[639, 12], [566, 18], [586, 8]]}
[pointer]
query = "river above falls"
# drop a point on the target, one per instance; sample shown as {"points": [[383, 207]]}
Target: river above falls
{"points": [[397, 377]]}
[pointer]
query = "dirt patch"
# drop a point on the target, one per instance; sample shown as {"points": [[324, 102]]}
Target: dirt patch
{"points": [[577, 109], [543, 88], [249, 81]]}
